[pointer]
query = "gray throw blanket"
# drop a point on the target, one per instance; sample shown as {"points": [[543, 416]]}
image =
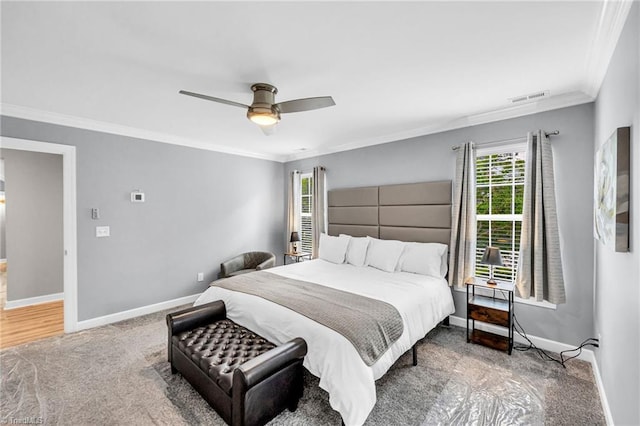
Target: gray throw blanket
{"points": [[369, 324]]}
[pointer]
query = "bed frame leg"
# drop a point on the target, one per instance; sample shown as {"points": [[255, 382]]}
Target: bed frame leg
{"points": [[415, 355], [445, 321]]}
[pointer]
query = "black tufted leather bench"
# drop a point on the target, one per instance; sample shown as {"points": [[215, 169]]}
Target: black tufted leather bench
{"points": [[245, 378]]}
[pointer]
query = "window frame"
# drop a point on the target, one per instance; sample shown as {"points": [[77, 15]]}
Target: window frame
{"points": [[306, 240], [513, 217]]}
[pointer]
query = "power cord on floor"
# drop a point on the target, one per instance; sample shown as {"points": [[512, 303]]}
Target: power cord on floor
{"points": [[543, 354], [592, 341]]}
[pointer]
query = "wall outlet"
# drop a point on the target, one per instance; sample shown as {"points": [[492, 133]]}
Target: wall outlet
{"points": [[200, 276], [137, 197], [102, 231]]}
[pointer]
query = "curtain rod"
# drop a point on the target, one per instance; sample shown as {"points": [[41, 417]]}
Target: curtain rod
{"points": [[547, 134]]}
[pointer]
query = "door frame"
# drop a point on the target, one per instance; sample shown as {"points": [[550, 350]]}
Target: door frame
{"points": [[70, 239]]}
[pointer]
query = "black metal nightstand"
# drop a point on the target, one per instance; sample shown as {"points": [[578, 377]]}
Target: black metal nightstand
{"points": [[493, 307]]}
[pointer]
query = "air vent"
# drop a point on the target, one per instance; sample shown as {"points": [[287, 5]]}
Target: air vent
{"points": [[530, 97]]}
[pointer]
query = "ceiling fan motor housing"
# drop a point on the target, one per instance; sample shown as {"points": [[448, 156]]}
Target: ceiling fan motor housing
{"points": [[263, 107], [264, 111]]}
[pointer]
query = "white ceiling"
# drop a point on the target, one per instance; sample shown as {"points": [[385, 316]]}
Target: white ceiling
{"points": [[395, 70]]}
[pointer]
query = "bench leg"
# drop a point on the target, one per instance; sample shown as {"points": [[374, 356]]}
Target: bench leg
{"points": [[415, 355]]}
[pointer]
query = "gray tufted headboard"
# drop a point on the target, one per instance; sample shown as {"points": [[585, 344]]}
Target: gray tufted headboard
{"points": [[418, 212]]}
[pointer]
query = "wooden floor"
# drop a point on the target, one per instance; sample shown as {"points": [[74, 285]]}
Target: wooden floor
{"points": [[23, 325]]}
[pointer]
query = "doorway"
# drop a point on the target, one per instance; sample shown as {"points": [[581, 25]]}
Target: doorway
{"points": [[3, 255], [69, 240], [34, 247]]}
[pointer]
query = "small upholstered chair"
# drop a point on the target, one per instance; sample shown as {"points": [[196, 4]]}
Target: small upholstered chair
{"points": [[247, 262]]}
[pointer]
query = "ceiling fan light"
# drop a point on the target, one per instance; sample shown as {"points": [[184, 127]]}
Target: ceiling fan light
{"points": [[263, 116]]}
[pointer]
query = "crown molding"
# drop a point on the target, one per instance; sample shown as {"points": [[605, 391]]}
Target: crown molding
{"points": [[27, 113], [551, 103], [554, 102], [613, 16]]}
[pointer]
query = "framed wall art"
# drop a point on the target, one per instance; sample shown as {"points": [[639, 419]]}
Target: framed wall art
{"points": [[611, 191]]}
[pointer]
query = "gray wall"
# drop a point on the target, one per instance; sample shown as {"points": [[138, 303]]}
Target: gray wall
{"points": [[3, 218], [617, 280], [34, 223], [431, 158], [201, 208]]}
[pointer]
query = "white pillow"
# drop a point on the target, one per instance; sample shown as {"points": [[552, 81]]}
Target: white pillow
{"points": [[384, 254], [333, 249], [444, 265], [424, 258], [357, 250]]}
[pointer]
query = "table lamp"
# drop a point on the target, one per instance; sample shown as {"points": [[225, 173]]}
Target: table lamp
{"points": [[492, 258], [294, 239]]}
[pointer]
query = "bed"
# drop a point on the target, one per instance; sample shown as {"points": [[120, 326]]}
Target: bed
{"points": [[411, 213]]}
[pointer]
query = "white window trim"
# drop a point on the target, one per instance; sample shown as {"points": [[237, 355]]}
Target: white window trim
{"points": [[310, 214], [510, 147], [489, 217], [500, 217], [487, 149]]}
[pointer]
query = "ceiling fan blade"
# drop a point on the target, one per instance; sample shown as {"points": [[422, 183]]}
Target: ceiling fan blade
{"points": [[269, 130], [211, 98], [306, 104]]}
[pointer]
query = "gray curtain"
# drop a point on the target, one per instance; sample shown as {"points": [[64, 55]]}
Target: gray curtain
{"points": [[540, 264], [293, 207], [462, 248], [319, 195]]}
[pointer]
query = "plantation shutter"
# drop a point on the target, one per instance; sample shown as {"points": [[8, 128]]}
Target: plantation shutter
{"points": [[306, 213], [499, 193]]}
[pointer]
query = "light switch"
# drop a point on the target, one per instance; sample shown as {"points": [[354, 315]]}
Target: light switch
{"points": [[95, 214], [102, 231]]}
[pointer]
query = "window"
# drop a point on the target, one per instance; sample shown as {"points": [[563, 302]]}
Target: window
{"points": [[499, 195], [306, 209]]}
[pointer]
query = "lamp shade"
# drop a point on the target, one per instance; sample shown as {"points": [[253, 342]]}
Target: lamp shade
{"points": [[263, 116], [294, 237], [491, 256]]}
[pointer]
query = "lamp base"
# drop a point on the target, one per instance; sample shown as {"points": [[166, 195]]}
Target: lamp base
{"points": [[491, 282]]}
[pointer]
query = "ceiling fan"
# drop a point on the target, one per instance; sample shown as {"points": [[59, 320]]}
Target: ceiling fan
{"points": [[264, 111]]}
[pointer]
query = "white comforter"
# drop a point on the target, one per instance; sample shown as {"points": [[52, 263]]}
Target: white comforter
{"points": [[422, 301]]}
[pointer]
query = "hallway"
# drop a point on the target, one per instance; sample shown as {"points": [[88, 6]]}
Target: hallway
{"points": [[30, 323]]}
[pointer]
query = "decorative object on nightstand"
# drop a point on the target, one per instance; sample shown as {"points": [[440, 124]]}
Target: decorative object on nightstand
{"points": [[493, 307], [492, 258], [295, 237], [298, 257]]}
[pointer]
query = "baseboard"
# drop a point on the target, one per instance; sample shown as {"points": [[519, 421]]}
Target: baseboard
{"points": [[29, 301], [603, 395], [132, 313], [553, 346]]}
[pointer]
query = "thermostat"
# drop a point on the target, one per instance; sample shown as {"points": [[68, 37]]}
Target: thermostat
{"points": [[137, 197]]}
